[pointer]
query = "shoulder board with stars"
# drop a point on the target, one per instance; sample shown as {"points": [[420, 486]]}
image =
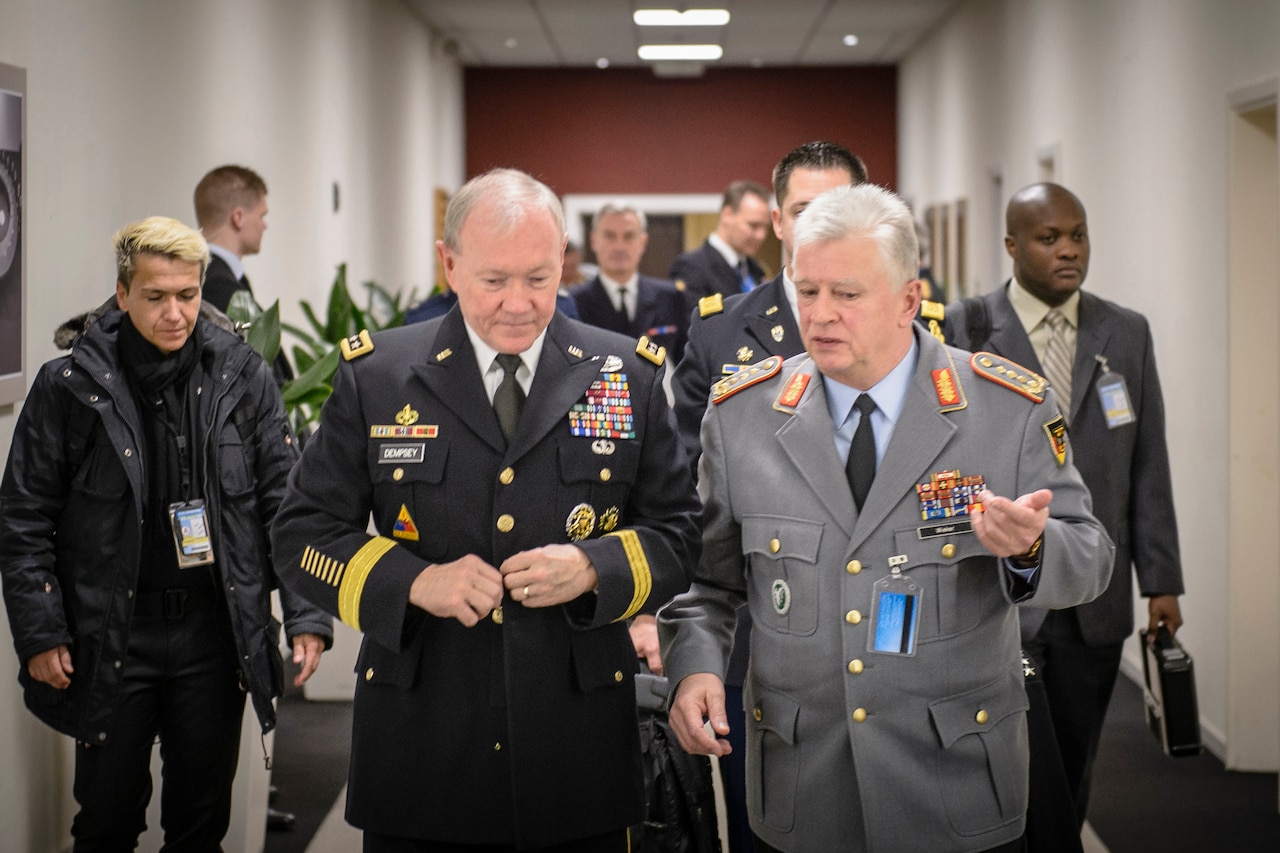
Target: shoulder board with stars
{"points": [[651, 351], [709, 305], [1010, 374], [759, 372], [356, 345]]}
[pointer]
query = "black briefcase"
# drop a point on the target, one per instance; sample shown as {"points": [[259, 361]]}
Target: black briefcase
{"points": [[1170, 694]]}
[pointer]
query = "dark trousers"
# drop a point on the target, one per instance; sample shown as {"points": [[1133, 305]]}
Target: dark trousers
{"points": [[1016, 846], [179, 683], [1051, 812], [611, 842], [1078, 680], [733, 774]]}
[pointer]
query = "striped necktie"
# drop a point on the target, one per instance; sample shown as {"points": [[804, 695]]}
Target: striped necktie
{"points": [[1057, 360]]}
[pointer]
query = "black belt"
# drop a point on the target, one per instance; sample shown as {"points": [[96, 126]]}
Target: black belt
{"points": [[174, 603]]}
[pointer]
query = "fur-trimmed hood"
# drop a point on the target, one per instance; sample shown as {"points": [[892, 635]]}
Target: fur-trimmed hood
{"points": [[64, 337]]}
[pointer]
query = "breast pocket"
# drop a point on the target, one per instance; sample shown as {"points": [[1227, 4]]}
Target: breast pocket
{"points": [[959, 577], [782, 572], [410, 503], [596, 476], [101, 476]]}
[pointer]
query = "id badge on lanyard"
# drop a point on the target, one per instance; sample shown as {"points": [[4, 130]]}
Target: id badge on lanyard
{"points": [[191, 537], [895, 614], [1113, 393]]}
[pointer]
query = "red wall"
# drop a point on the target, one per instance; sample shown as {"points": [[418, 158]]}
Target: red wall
{"points": [[628, 131]]}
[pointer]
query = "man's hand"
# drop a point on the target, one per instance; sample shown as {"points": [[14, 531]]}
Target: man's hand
{"points": [[700, 697], [644, 636], [52, 667], [1009, 528], [467, 590], [1163, 608], [307, 649], [550, 575]]}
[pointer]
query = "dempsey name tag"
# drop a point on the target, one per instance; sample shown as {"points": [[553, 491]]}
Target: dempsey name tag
{"points": [[395, 454]]}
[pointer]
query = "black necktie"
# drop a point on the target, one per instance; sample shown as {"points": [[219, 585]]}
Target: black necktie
{"points": [[860, 467], [508, 400], [622, 300]]}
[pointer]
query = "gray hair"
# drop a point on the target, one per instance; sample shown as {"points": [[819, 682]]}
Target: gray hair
{"points": [[618, 207], [863, 211], [512, 194]]}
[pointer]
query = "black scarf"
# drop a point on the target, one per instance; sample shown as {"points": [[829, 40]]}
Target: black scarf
{"points": [[163, 388]]}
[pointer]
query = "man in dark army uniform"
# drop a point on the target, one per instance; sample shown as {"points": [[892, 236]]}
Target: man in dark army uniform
{"points": [[529, 495]]}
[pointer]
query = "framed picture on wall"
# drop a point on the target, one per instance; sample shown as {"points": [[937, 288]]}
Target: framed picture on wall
{"points": [[13, 89]]}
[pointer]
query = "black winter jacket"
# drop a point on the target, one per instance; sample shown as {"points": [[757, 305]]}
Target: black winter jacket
{"points": [[71, 509]]}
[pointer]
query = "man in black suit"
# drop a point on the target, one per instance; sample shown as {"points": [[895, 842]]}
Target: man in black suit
{"points": [[231, 210], [726, 335], [1101, 359], [723, 263], [619, 298], [522, 518]]}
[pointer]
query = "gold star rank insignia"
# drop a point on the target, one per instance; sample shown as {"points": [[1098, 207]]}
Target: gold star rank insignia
{"points": [[745, 354]]}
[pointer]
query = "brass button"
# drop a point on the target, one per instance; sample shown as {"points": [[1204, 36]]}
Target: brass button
{"points": [[859, 715], [397, 474], [368, 674], [617, 676], [496, 615], [497, 747], [981, 717], [506, 523], [855, 666], [605, 474], [853, 617], [948, 551], [758, 714], [853, 567], [774, 546], [507, 475]]}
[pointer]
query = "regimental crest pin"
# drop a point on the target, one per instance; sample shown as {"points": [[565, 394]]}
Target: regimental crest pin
{"points": [[406, 416], [609, 519], [777, 332]]}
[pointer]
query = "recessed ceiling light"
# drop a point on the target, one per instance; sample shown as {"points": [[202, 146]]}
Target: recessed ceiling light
{"points": [[660, 52], [510, 43], [850, 40], [687, 18], [602, 62]]}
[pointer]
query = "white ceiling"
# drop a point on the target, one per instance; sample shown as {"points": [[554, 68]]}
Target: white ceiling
{"points": [[761, 33]]}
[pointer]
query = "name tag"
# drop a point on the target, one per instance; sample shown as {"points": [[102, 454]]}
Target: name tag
{"points": [[395, 454]]}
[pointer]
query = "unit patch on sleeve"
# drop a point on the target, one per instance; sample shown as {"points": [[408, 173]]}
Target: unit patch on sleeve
{"points": [[405, 528], [1056, 429]]}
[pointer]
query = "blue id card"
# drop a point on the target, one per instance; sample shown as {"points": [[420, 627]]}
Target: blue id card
{"points": [[1114, 396], [895, 615]]}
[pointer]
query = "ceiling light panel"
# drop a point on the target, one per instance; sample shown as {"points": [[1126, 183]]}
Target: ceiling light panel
{"points": [[687, 18]]}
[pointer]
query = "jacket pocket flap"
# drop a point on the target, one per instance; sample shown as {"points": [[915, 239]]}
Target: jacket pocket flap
{"points": [[939, 544], [978, 710], [611, 460], [779, 537], [408, 460], [776, 712]]}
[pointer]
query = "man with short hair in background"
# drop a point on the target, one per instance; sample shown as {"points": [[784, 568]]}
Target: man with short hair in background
{"points": [[725, 262]]}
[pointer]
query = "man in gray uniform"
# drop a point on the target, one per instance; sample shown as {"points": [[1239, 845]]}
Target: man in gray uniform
{"points": [[860, 499]]}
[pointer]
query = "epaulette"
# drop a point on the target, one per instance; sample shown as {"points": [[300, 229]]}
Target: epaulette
{"points": [[1010, 374], [647, 349], [356, 345], [933, 313], [709, 305], [758, 372]]}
